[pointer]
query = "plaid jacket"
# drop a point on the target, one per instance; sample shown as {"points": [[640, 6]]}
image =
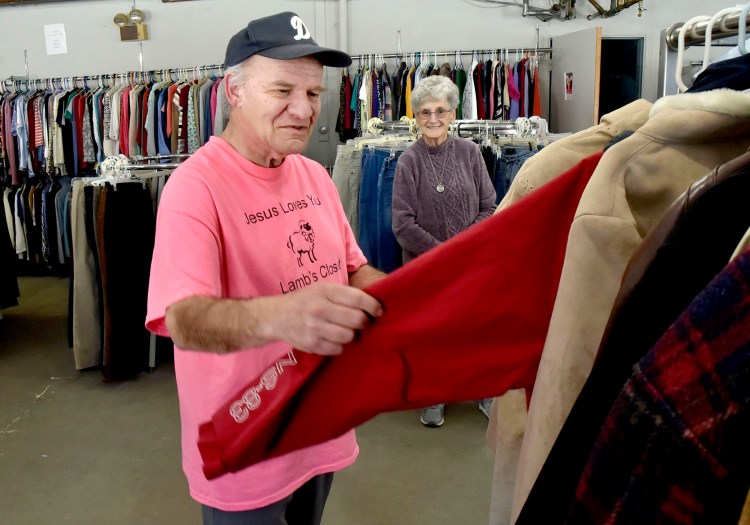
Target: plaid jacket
{"points": [[675, 447]]}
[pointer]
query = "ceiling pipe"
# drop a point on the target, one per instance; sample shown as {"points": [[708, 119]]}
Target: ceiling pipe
{"points": [[344, 25]]}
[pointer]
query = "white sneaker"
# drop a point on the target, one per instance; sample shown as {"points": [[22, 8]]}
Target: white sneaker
{"points": [[485, 405], [433, 416]]}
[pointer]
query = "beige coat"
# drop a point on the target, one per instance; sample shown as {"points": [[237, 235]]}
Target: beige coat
{"points": [[563, 154], [508, 415], [636, 181]]}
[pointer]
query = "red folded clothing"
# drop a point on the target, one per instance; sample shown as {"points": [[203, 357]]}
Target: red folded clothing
{"points": [[466, 320]]}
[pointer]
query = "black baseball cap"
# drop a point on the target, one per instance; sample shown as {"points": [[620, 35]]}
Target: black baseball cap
{"points": [[283, 36]]}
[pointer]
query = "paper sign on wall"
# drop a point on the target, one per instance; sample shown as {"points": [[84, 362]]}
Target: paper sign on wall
{"points": [[54, 36], [568, 86]]}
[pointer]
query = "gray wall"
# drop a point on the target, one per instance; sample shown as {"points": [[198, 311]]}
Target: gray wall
{"points": [[193, 33]]}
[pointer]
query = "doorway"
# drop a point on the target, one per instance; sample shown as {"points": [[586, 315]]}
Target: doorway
{"points": [[621, 73]]}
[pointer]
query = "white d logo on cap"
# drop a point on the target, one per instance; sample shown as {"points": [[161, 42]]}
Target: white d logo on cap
{"points": [[299, 25]]}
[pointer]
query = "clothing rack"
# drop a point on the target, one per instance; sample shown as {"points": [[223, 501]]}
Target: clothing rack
{"points": [[136, 75], [151, 167], [135, 164], [726, 26], [723, 26], [522, 127], [140, 162], [158, 157], [481, 52]]}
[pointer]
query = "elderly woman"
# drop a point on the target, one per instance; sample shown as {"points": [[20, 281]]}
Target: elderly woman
{"points": [[441, 186]]}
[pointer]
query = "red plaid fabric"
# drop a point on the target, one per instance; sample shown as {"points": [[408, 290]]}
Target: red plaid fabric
{"points": [[675, 448]]}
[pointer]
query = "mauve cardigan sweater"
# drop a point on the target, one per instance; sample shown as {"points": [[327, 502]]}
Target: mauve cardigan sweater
{"points": [[424, 217]]}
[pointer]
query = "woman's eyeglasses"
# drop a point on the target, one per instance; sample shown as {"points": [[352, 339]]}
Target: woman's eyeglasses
{"points": [[440, 113]]}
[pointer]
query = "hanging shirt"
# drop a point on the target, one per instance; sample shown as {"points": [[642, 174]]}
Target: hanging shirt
{"points": [[387, 108], [470, 97], [506, 90], [10, 147], [409, 86], [522, 88], [515, 94], [221, 104], [151, 119], [72, 154], [478, 75], [460, 81], [162, 137], [89, 155], [21, 132], [111, 144], [537, 109], [212, 105], [192, 130], [365, 97], [206, 111], [135, 117], [493, 90]]}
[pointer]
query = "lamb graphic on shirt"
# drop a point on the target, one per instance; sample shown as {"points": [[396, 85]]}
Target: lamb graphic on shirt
{"points": [[303, 241]]}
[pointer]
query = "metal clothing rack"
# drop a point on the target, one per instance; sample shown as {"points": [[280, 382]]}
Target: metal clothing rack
{"points": [[158, 157], [522, 127], [723, 31], [121, 174], [536, 50], [152, 167], [139, 162], [526, 127], [726, 26], [136, 75], [456, 53]]}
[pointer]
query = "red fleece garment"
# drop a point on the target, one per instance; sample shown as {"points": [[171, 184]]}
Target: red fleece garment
{"points": [[466, 320]]}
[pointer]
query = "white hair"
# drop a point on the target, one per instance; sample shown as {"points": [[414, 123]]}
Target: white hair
{"points": [[437, 88]]}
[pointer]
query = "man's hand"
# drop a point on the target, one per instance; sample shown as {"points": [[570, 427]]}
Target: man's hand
{"points": [[320, 318]]}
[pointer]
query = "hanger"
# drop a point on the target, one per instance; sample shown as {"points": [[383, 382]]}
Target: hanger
{"points": [[741, 44], [681, 87], [709, 31]]}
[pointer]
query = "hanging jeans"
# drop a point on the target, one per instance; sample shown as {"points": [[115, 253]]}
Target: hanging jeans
{"points": [[490, 160], [347, 174], [372, 162], [376, 238], [508, 164], [389, 251]]}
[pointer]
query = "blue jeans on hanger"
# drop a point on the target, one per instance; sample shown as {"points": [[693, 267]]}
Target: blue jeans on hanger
{"points": [[372, 163], [510, 161], [389, 251]]}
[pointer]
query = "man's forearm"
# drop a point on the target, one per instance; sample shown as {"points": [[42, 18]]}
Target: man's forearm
{"points": [[218, 325], [319, 318], [364, 276]]}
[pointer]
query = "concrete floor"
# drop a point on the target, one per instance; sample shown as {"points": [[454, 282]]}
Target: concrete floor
{"points": [[74, 450]]}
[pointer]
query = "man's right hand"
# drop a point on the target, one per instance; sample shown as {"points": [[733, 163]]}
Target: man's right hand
{"points": [[319, 319]]}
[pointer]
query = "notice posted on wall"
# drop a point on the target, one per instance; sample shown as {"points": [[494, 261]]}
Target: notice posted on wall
{"points": [[54, 36], [568, 86]]}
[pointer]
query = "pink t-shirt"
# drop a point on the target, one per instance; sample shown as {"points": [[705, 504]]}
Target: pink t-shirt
{"points": [[229, 228]]}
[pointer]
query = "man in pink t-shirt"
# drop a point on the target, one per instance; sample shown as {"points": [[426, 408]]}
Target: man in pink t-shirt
{"points": [[253, 257]]}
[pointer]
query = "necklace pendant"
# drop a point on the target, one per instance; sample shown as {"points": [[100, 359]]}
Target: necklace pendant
{"points": [[440, 188]]}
